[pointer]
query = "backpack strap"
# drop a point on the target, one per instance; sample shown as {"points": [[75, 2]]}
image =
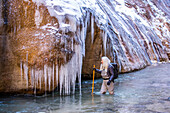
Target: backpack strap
{"points": [[112, 73]]}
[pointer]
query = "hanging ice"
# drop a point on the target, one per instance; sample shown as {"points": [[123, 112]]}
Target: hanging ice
{"points": [[21, 69], [124, 35], [57, 75], [104, 40], [67, 76], [92, 28], [25, 66], [45, 77]]}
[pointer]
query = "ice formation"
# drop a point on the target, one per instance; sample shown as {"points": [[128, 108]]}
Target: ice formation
{"points": [[125, 26]]}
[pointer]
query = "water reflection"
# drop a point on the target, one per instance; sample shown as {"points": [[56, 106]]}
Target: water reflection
{"points": [[140, 91]]}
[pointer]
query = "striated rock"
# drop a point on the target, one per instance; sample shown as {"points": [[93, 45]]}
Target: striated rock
{"points": [[37, 52], [49, 44]]}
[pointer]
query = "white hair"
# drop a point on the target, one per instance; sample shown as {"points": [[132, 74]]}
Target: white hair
{"points": [[106, 63]]}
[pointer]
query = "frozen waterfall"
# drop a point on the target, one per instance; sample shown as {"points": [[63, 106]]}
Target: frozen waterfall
{"points": [[131, 36]]}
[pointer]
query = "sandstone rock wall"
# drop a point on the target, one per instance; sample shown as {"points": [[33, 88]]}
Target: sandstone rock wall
{"points": [[48, 44]]}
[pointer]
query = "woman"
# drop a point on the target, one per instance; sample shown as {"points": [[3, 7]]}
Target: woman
{"points": [[107, 73]]}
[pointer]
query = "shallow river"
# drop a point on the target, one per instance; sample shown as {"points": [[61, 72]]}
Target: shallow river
{"points": [[144, 91]]}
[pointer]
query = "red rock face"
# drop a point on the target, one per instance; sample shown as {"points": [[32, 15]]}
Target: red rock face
{"points": [[31, 50], [45, 46]]}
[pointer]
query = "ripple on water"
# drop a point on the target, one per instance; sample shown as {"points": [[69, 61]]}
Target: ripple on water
{"points": [[136, 93]]}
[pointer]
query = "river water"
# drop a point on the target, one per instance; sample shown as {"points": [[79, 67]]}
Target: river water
{"points": [[144, 91]]}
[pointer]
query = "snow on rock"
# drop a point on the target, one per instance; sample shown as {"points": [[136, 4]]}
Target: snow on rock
{"points": [[55, 41]]}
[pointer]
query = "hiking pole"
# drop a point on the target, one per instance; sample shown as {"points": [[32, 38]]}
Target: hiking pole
{"points": [[93, 80]]}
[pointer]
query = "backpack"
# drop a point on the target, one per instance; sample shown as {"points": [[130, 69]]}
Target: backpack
{"points": [[115, 70]]}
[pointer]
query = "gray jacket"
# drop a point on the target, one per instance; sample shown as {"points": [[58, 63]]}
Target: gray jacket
{"points": [[110, 72]]}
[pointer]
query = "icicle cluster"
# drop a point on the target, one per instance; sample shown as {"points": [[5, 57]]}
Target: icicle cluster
{"points": [[54, 76], [132, 39]]}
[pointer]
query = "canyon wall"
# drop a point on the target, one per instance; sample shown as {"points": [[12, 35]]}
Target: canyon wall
{"points": [[52, 44]]}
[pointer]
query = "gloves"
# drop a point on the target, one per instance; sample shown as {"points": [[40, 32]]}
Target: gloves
{"points": [[108, 83]]}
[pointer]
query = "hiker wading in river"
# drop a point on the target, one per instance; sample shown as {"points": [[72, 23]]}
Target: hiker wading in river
{"points": [[107, 73]]}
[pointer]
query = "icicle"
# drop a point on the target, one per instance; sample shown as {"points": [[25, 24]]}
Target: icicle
{"points": [[21, 70], [27, 68], [32, 77], [53, 76], [61, 78], [85, 26], [92, 28], [73, 73], [83, 37], [56, 75], [35, 86], [40, 77], [69, 77], [36, 81], [26, 73], [45, 77], [49, 77], [79, 65], [104, 41], [66, 81]]}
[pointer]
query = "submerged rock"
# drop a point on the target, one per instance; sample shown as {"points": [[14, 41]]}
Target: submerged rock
{"points": [[48, 44]]}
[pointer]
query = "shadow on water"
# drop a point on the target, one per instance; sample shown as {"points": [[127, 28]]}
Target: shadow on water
{"points": [[141, 91]]}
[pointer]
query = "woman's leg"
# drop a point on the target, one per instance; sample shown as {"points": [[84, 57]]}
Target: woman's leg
{"points": [[103, 88], [111, 88]]}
